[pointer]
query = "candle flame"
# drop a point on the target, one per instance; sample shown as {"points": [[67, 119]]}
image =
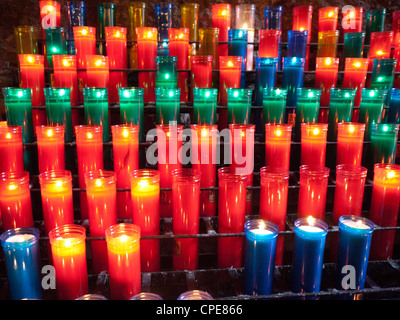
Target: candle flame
{"points": [[262, 225], [310, 220], [65, 63], [123, 238], [204, 132], [390, 174], [84, 32], [89, 135], [99, 183], [357, 64], [230, 64], [180, 35], [143, 183], [30, 59], [12, 187], [351, 129], [49, 133], [244, 26], [125, 133], [278, 133], [242, 133], [316, 131], [58, 184], [223, 12], [117, 34], [379, 52], [149, 34], [98, 63], [8, 136], [358, 223], [301, 29], [328, 61], [330, 14]]}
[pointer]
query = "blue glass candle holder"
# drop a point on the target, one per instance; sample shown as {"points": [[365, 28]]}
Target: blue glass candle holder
{"points": [[297, 43], [163, 23], [292, 78], [355, 235], [265, 77], [394, 112], [77, 17], [21, 255], [309, 245], [273, 21], [237, 46], [259, 262]]}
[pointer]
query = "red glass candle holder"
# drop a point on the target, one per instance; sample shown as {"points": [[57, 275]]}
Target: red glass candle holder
{"points": [[89, 151], [349, 191], [350, 141], [380, 46], [327, 18], [97, 71], [32, 77], [101, 193], [145, 191], [384, 209], [69, 260], [123, 249], [396, 21], [147, 51], [221, 19], [169, 144], [116, 45], [312, 192], [274, 185], [85, 45], [57, 201], [277, 145], [51, 148], [186, 217], [313, 143], [204, 159], [231, 217], [302, 20], [326, 73], [50, 14], [269, 43], [179, 47], [11, 149], [15, 200], [352, 19], [201, 72], [126, 159]]}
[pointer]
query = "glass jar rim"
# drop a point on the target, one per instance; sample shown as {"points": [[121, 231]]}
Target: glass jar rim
{"points": [[55, 175], [152, 174], [351, 170], [19, 231], [226, 173], [15, 176], [67, 231], [106, 175], [195, 295], [317, 171], [186, 175], [274, 172], [119, 229]]}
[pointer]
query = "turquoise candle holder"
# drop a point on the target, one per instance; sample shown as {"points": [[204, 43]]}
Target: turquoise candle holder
{"points": [[383, 143], [55, 43], [239, 105], [132, 107], [205, 105], [166, 72], [353, 44], [95, 101], [375, 22], [167, 105], [274, 105], [383, 76]]}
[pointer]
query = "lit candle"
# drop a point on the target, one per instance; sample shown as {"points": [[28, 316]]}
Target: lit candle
{"points": [[145, 192], [51, 148], [269, 43], [167, 105], [231, 217], [132, 108], [354, 243], [350, 141], [375, 22], [185, 217], [117, 57], [307, 108], [349, 191], [277, 145], [221, 19], [313, 143], [107, 16], [50, 14], [274, 105], [123, 246], [353, 44], [205, 105], [274, 185], [352, 19], [179, 47], [11, 149], [163, 13], [22, 260], [97, 71], [355, 75], [309, 245], [204, 155], [385, 198], [15, 200], [166, 72], [302, 20], [169, 144], [137, 19], [327, 43], [102, 210], [77, 17], [292, 78], [125, 140], [239, 105], [383, 143], [55, 43], [229, 76], [58, 109], [312, 192], [265, 77], [89, 152], [260, 246], [32, 77], [327, 18], [380, 46], [326, 73], [147, 51], [190, 20], [96, 109], [201, 72], [237, 46], [68, 249], [57, 202]]}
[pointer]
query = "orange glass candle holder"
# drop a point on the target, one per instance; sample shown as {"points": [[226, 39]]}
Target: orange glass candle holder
{"points": [[350, 140], [327, 18], [269, 43], [126, 159], [15, 200], [89, 151], [101, 193], [11, 149], [116, 45], [97, 71], [355, 75], [352, 19], [69, 260], [327, 43], [123, 247], [313, 143], [221, 19], [277, 145], [57, 201], [51, 148], [145, 191]]}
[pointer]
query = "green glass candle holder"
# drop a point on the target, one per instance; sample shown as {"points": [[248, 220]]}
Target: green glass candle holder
{"points": [[167, 105], [107, 18], [354, 44], [166, 72], [274, 105], [307, 109], [19, 111], [205, 105], [371, 108], [340, 109], [375, 22], [132, 108], [95, 101], [239, 105], [383, 143], [55, 43], [58, 108], [383, 76]]}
